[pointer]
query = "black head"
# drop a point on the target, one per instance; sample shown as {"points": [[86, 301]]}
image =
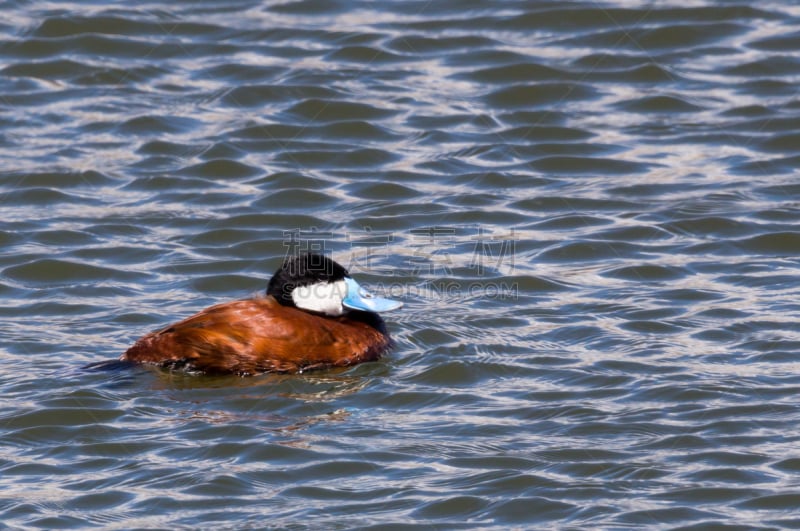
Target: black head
{"points": [[303, 270], [315, 283]]}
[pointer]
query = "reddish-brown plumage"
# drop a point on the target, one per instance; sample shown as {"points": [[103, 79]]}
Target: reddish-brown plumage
{"points": [[261, 335]]}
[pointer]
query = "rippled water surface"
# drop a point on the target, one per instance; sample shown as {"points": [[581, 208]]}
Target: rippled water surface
{"points": [[591, 211]]}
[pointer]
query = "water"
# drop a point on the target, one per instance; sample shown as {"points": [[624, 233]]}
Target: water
{"points": [[591, 211]]}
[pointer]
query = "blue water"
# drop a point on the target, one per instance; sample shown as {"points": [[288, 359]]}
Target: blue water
{"points": [[591, 211]]}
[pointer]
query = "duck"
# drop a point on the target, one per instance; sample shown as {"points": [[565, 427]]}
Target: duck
{"points": [[313, 315]]}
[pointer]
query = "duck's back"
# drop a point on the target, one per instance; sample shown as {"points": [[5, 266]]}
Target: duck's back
{"points": [[260, 335]]}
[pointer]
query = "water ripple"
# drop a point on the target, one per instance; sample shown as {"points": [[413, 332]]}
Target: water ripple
{"points": [[589, 210]]}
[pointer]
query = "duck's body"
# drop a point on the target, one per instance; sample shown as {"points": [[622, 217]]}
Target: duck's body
{"points": [[269, 334]]}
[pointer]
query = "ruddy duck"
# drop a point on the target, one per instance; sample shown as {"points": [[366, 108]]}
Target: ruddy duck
{"points": [[314, 315]]}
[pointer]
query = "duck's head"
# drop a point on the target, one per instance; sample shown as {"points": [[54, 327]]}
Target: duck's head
{"points": [[316, 283]]}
